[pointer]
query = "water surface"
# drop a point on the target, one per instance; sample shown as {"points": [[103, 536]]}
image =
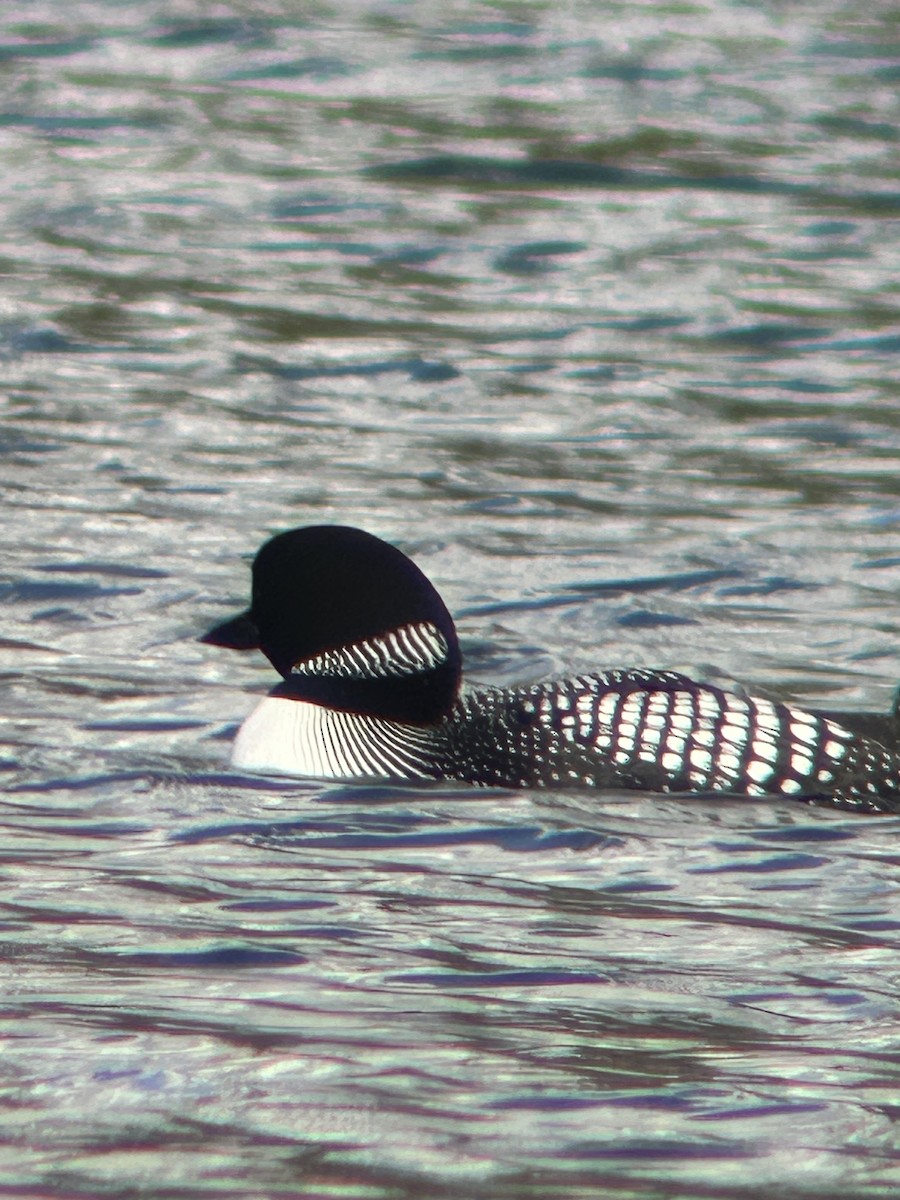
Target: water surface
{"points": [[593, 310]]}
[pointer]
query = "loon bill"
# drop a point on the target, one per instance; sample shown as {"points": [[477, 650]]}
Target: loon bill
{"points": [[371, 676]]}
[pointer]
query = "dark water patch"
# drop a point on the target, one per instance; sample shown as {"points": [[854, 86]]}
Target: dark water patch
{"points": [[479, 41], [766, 334], [17, 644], [231, 958], [633, 1149], [366, 795], [279, 324], [189, 34], [763, 1110], [71, 127], [261, 784], [487, 28], [115, 570], [841, 46], [830, 229], [321, 204], [456, 980], [150, 1081], [887, 343], [151, 725], [105, 327], [16, 341], [38, 591], [497, 172], [819, 433], [88, 783], [681, 1101], [599, 374], [472, 171], [874, 924], [835, 994], [642, 618], [578, 593], [319, 247], [514, 839], [797, 861], [807, 833], [35, 47], [613, 1181], [320, 933], [390, 823], [772, 586], [164, 487], [536, 503], [549, 1103], [644, 324], [60, 615], [600, 905], [418, 369], [632, 72], [808, 387], [16, 446], [536, 258], [272, 904], [96, 238], [830, 253], [637, 887], [315, 66], [496, 52], [410, 256], [226, 734]]}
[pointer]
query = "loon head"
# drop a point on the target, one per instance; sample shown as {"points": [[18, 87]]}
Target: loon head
{"points": [[351, 623]]}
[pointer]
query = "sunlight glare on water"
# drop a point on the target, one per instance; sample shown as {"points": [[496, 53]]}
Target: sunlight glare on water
{"points": [[593, 310]]}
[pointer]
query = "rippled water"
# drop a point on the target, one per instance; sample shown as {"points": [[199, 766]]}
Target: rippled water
{"points": [[593, 309]]}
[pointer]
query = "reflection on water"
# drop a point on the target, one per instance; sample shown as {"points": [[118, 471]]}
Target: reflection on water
{"points": [[591, 310]]}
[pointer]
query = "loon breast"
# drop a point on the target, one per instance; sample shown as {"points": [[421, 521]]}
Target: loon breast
{"points": [[371, 675], [294, 737]]}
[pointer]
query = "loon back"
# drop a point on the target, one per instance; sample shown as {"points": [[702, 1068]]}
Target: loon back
{"points": [[371, 673]]}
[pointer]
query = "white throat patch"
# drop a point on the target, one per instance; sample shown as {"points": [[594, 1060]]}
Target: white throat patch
{"points": [[294, 737]]}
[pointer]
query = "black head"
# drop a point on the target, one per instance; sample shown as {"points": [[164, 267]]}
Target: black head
{"points": [[347, 620]]}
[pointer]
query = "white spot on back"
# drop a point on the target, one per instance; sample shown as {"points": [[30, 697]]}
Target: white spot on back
{"points": [[729, 762], [801, 765], [682, 722], [803, 733], [800, 717], [766, 750], [701, 759], [758, 771]]}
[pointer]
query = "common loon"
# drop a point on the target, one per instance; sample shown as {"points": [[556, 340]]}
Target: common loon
{"points": [[371, 673]]}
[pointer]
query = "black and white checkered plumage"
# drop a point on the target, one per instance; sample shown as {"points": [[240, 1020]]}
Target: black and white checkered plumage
{"points": [[371, 688], [663, 732]]}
